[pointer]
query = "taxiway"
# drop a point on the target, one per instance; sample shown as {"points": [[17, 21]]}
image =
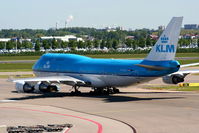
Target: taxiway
{"points": [[135, 109]]}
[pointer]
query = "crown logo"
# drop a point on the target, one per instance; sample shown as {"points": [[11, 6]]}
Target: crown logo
{"points": [[164, 39]]}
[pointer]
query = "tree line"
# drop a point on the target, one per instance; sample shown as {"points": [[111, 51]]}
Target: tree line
{"points": [[88, 44], [72, 44], [102, 38], [101, 34]]}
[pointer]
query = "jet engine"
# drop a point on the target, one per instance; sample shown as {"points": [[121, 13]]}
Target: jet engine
{"points": [[39, 87], [24, 87], [45, 87], [173, 78]]}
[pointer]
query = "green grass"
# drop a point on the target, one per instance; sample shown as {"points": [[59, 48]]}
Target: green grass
{"points": [[187, 55], [177, 88], [16, 76], [188, 61], [122, 56], [10, 58], [13, 67], [139, 55]]}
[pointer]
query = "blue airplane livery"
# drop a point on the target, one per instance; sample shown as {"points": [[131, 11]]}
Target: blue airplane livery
{"points": [[165, 48], [104, 75]]}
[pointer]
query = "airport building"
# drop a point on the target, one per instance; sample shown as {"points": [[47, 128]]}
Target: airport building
{"points": [[113, 29], [161, 27], [191, 26], [14, 39], [130, 37], [65, 38], [5, 39]]}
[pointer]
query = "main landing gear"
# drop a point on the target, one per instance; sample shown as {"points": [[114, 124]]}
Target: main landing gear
{"points": [[104, 91], [76, 90], [96, 91]]}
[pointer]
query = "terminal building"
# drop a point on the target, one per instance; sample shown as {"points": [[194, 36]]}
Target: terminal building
{"points": [[65, 38], [191, 26], [14, 39], [5, 39]]}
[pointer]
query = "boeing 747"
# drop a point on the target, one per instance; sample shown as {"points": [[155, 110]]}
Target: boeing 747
{"points": [[104, 75]]}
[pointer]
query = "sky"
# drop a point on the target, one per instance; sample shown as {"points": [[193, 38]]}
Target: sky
{"points": [[134, 14]]}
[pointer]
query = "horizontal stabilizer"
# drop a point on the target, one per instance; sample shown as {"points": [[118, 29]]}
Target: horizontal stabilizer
{"points": [[186, 72], [188, 65]]}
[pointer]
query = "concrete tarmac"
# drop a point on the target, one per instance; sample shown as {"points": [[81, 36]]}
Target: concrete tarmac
{"points": [[135, 109]]}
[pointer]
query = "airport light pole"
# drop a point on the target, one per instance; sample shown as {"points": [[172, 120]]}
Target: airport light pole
{"points": [[65, 24], [5, 45], [16, 45]]}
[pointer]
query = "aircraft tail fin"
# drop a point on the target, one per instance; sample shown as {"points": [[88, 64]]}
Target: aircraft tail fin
{"points": [[165, 47]]}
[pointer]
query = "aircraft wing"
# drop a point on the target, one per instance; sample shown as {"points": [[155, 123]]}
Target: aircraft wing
{"points": [[57, 79], [186, 72], [178, 77], [188, 65]]}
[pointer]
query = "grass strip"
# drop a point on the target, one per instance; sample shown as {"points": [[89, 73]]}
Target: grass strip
{"points": [[16, 76], [14, 67], [124, 56], [175, 88]]}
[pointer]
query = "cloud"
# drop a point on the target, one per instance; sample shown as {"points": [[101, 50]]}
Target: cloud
{"points": [[69, 18]]}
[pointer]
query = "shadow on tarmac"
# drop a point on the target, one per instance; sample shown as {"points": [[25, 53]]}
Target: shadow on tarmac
{"points": [[105, 98]]}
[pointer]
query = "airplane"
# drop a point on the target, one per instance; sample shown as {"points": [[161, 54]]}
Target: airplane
{"points": [[104, 75]]}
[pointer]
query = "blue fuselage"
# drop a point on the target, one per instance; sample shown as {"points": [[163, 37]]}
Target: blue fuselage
{"points": [[71, 63], [75, 65]]}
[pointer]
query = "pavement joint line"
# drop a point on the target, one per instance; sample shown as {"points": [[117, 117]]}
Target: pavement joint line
{"points": [[134, 130], [113, 111], [99, 130]]}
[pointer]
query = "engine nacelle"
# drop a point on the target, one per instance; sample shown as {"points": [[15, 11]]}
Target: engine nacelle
{"points": [[39, 87], [19, 86], [173, 78], [44, 87], [24, 87]]}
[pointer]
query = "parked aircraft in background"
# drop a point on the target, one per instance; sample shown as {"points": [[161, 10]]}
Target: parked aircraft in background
{"points": [[104, 75]]}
